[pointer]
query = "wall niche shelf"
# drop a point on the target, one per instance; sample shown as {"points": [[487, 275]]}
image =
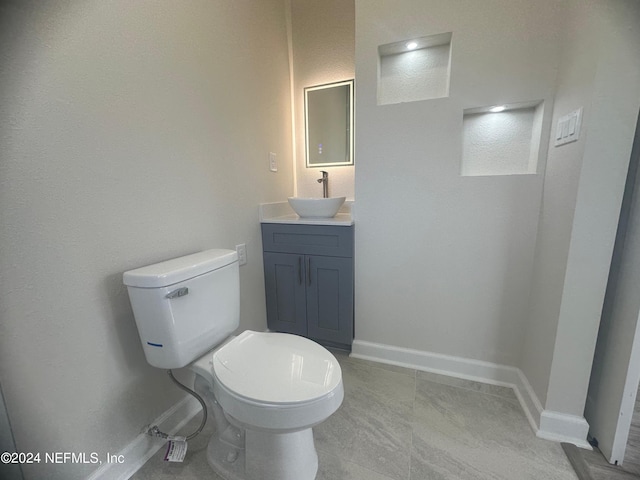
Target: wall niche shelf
{"points": [[504, 142], [414, 69]]}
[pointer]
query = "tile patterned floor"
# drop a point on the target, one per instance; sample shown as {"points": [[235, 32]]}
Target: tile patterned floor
{"points": [[402, 424], [600, 469]]}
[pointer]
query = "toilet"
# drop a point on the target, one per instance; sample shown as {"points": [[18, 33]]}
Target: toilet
{"points": [[266, 390]]}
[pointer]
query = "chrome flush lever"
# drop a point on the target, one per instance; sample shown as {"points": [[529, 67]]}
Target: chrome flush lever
{"points": [[179, 292]]}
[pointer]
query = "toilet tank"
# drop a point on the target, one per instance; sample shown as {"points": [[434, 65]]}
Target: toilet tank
{"points": [[185, 306]]}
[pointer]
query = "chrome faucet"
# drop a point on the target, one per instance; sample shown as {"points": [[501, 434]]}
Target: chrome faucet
{"points": [[325, 183]]}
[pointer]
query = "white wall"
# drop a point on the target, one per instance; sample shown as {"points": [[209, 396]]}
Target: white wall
{"points": [[615, 106], [584, 183], [615, 374], [132, 132], [574, 89], [323, 40], [444, 262]]}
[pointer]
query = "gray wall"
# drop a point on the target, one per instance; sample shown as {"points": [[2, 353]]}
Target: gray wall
{"points": [[131, 132], [323, 47], [8, 471], [584, 184], [443, 262], [508, 269], [610, 408]]}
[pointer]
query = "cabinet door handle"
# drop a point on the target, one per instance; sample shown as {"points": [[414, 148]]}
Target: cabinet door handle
{"points": [[299, 270], [309, 270]]}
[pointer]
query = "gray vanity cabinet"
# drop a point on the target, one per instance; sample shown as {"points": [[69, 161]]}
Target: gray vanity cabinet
{"points": [[309, 281], [285, 292]]}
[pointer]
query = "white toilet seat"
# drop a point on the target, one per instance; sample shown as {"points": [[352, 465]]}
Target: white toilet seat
{"points": [[250, 378], [276, 381], [276, 368]]}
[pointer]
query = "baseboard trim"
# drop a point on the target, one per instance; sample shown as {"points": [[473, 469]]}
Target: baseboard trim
{"points": [[545, 424], [143, 447], [561, 427], [460, 367], [528, 400]]}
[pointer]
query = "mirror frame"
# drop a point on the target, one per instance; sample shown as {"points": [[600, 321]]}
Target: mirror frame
{"points": [[350, 123]]}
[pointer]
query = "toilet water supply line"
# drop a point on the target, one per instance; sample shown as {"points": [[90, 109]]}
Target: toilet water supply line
{"points": [[155, 431]]}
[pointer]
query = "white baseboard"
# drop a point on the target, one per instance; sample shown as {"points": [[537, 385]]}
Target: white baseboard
{"points": [[561, 427], [549, 425], [143, 447], [485, 372]]}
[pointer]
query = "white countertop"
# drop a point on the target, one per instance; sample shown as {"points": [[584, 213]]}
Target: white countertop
{"points": [[281, 212]]}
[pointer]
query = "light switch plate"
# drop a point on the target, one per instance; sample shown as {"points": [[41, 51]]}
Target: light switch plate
{"points": [[568, 128]]}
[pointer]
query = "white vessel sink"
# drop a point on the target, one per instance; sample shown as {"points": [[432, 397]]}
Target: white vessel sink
{"points": [[316, 207]]}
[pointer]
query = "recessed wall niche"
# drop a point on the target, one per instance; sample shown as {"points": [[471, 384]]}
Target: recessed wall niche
{"points": [[414, 69], [501, 139]]}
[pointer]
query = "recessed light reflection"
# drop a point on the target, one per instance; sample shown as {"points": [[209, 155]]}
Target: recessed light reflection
{"points": [[411, 45], [497, 108]]}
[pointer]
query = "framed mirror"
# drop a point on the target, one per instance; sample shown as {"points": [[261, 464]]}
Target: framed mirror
{"points": [[328, 112]]}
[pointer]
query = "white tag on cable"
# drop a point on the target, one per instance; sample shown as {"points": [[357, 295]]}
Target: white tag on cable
{"points": [[176, 450]]}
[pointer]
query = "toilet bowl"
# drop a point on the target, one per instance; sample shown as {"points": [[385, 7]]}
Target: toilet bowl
{"points": [[272, 388], [266, 390]]}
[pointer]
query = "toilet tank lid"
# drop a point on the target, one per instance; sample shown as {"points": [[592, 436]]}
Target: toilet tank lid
{"points": [[179, 269]]}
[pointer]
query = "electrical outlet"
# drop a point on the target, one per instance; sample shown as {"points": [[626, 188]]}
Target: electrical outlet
{"points": [[273, 165], [242, 253]]}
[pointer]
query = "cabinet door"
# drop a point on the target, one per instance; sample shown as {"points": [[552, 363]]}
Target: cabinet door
{"points": [[330, 298], [284, 279]]}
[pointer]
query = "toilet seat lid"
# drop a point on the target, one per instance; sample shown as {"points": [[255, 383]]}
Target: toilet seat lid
{"points": [[276, 368]]}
